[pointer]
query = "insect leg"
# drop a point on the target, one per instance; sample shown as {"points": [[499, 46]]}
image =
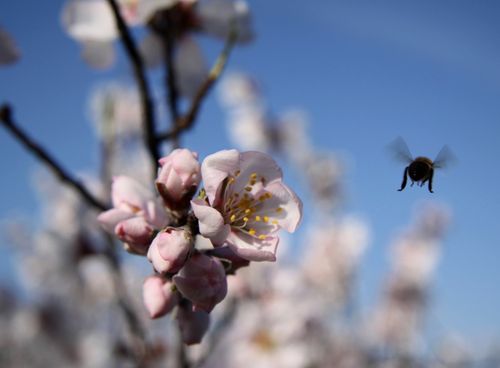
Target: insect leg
{"points": [[430, 180], [405, 178]]}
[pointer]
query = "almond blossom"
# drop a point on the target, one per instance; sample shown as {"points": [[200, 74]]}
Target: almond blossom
{"points": [[246, 203], [135, 214]]}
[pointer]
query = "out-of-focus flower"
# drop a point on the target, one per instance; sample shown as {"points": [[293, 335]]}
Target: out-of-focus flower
{"points": [[332, 256], [178, 178], [246, 203], [9, 53], [158, 296], [192, 324], [131, 200], [169, 250], [92, 23], [203, 281]]}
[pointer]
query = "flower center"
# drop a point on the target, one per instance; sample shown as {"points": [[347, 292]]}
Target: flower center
{"points": [[247, 208]]}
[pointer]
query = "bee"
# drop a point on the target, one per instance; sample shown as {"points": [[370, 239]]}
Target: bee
{"points": [[420, 170]]}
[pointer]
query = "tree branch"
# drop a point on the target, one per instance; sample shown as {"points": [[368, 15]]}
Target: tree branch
{"points": [[185, 122], [144, 90], [35, 148]]}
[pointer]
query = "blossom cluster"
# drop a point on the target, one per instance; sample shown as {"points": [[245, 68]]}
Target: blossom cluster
{"points": [[240, 209]]}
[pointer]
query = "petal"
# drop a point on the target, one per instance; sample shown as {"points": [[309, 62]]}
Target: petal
{"points": [[253, 249], [158, 297], [290, 214], [260, 163], [99, 55], [110, 218], [210, 221], [190, 66], [215, 168], [129, 194], [89, 20]]}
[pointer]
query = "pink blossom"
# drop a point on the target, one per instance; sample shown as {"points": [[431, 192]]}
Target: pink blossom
{"points": [[136, 232], [131, 200], [192, 324], [178, 177], [158, 296], [246, 203], [169, 250], [202, 280]]}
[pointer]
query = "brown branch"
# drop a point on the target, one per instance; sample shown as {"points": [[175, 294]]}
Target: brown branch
{"points": [[140, 76], [185, 122], [35, 148]]}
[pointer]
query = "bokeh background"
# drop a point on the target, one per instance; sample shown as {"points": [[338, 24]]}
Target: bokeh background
{"points": [[365, 72]]}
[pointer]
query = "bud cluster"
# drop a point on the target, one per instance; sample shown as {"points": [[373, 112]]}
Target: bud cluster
{"points": [[242, 206]]}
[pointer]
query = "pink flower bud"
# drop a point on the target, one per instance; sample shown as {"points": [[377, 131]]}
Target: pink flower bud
{"points": [[169, 249], [158, 296], [193, 325], [202, 280], [136, 232], [178, 177]]}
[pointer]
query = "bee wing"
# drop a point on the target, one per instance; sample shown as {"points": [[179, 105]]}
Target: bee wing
{"points": [[399, 149], [444, 158]]}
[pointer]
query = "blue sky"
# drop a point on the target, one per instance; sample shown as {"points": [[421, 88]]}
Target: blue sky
{"points": [[366, 72]]}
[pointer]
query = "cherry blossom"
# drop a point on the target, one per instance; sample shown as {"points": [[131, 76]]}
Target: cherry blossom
{"points": [[246, 203]]}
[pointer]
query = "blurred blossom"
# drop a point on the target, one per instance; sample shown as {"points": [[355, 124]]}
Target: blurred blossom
{"points": [[9, 52], [239, 91], [246, 203], [397, 320], [332, 255], [116, 111]]}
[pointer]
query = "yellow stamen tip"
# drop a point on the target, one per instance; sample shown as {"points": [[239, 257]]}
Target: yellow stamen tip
{"points": [[245, 219], [266, 219], [232, 218], [253, 176], [262, 237], [257, 218], [251, 231], [247, 211], [279, 209]]}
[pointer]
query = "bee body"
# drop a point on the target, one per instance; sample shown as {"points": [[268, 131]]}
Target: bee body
{"points": [[420, 170]]}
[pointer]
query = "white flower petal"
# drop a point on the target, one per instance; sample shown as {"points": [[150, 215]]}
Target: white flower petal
{"points": [[89, 20], [215, 168], [210, 221], [251, 248]]}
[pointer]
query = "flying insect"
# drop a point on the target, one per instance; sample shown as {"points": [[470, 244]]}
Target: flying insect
{"points": [[420, 170]]}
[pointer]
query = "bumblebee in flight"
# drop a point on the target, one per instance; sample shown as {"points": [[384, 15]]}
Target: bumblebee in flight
{"points": [[420, 169]]}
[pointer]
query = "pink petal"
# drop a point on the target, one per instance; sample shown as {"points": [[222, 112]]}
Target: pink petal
{"points": [[210, 221], [253, 249], [158, 297], [127, 193], [215, 168], [110, 218]]}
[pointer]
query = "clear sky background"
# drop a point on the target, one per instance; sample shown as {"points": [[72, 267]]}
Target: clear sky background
{"points": [[366, 72]]}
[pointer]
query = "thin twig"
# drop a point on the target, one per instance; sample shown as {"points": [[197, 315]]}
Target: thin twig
{"points": [[144, 90], [185, 122], [35, 148]]}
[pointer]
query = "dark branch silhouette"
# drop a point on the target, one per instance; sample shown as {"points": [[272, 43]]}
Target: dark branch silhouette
{"points": [[35, 148], [144, 89], [186, 122]]}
